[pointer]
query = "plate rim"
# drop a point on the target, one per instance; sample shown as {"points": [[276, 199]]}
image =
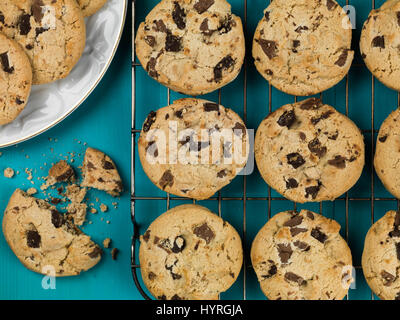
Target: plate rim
{"points": [[78, 104]]}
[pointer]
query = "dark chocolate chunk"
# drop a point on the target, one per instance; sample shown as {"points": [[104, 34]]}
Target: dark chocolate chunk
{"points": [[315, 147], [226, 25], [2, 19], [152, 149], [291, 183], [342, 58], [295, 159], [146, 236], [312, 191], [151, 68], [179, 16], [18, 101], [203, 5], [301, 245], [225, 64], [294, 221], [301, 28], [160, 26], [312, 103], [388, 278], [271, 272], [37, 10], [266, 15], [338, 162], [114, 253], [208, 107], [331, 4], [151, 275], [302, 136], [179, 244], [24, 24], [204, 232], [33, 239], [398, 17], [324, 116], [162, 297], [287, 119], [95, 253], [379, 42], [221, 174], [398, 250], [290, 276], [176, 297], [269, 47], [319, 235], [285, 252], [205, 29], [296, 44], [167, 179], [239, 129], [108, 165], [150, 40], [295, 231], [5, 63], [151, 118], [383, 138], [40, 30], [172, 43], [310, 215]]}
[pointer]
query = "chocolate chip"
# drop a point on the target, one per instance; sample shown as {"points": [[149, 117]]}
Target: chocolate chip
{"points": [[285, 252], [310, 215], [151, 118], [301, 245], [208, 107], [5, 63], [179, 16], [2, 19], [40, 31], [167, 179], [383, 138], [151, 275], [398, 18], [324, 116], [379, 42], [301, 28], [172, 43], [225, 64], [24, 24], [296, 44], [152, 149], [291, 183], [312, 191], [290, 276], [269, 47], [160, 26], [203, 5], [29, 46], [162, 297], [387, 278], [397, 296], [239, 129], [295, 231], [266, 15], [398, 250], [338, 162], [295, 159], [221, 174], [204, 28], [150, 40], [315, 147], [302, 136], [95, 253], [146, 236], [342, 58], [331, 4], [37, 10], [108, 165], [334, 136], [151, 68], [294, 221], [271, 272], [204, 232], [18, 101], [33, 239], [312, 103], [176, 297], [226, 25], [319, 235], [287, 119], [179, 244]]}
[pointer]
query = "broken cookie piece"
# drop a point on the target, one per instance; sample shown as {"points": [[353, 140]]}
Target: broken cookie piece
{"points": [[44, 240], [76, 208], [100, 172], [62, 172]]}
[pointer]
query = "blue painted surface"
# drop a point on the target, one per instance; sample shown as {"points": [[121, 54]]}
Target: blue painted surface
{"points": [[233, 96]]}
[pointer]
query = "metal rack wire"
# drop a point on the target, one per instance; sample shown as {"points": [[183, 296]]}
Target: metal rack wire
{"points": [[244, 198]]}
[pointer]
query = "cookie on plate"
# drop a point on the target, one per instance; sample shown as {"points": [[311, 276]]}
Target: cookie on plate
{"points": [[100, 172], [387, 153], [44, 240], [189, 253], [191, 46], [193, 148], [52, 33], [381, 257], [302, 47], [90, 7], [308, 151], [379, 43], [15, 79], [301, 256]]}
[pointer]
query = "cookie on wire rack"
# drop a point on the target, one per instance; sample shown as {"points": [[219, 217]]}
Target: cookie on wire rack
{"points": [[309, 152], [189, 253], [301, 256], [303, 47], [191, 46]]}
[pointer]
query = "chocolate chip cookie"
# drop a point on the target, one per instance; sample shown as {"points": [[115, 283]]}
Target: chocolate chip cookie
{"points": [[308, 151], [387, 154], [100, 172], [189, 253], [90, 7], [52, 33], [381, 257], [301, 256], [302, 47], [379, 43], [191, 46], [44, 240], [193, 148], [15, 79]]}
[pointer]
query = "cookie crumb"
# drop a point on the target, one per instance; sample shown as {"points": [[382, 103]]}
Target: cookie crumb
{"points": [[93, 210], [107, 243], [8, 173], [103, 207], [62, 172], [31, 191], [114, 253]]}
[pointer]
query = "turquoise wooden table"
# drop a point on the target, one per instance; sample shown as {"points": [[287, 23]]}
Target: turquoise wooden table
{"points": [[103, 122]]}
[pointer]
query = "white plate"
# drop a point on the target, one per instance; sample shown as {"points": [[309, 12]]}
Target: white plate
{"points": [[51, 103]]}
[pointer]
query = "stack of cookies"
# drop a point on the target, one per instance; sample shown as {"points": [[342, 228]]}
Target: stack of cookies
{"points": [[40, 42]]}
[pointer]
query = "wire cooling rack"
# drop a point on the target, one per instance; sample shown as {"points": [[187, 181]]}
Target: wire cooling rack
{"points": [[355, 211]]}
